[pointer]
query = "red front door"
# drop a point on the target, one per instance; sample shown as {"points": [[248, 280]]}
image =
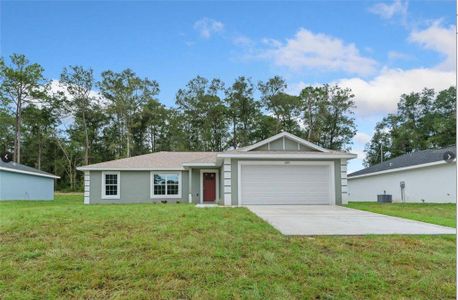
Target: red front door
{"points": [[209, 186]]}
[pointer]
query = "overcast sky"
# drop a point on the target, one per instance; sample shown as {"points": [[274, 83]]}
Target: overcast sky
{"points": [[378, 49]]}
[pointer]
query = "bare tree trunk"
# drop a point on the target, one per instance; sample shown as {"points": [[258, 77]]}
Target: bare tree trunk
{"points": [[39, 153], [70, 175], [69, 168], [73, 170], [234, 138], [334, 127], [128, 143], [309, 107], [86, 141], [17, 140], [154, 140], [151, 138]]}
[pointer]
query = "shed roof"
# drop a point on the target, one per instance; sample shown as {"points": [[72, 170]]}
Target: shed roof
{"points": [[407, 160], [20, 168]]}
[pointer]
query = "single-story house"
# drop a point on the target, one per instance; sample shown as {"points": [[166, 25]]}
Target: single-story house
{"points": [[421, 176], [283, 169], [20, 182]]}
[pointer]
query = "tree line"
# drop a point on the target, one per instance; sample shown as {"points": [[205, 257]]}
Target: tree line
{"points": [[423, 120], [86, 121], [77, 120]]}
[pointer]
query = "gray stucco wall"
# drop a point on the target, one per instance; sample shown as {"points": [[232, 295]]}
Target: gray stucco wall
{"points": [[134, 188], [234, 183], [195, 186], [17, 186], [221, 186], [135, 185], [338, 182]]}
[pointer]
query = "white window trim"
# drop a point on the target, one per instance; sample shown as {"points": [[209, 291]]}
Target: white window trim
{"points": [[201, 195], [108, 197], [332, 187], [151, 185]]}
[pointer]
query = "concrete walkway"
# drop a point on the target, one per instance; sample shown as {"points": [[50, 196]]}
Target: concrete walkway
{"points": [[338, 220]]}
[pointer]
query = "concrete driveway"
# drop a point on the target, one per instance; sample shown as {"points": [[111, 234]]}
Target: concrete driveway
{"points": [[338, 220]]}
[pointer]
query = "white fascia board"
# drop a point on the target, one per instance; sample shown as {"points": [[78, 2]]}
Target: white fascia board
{"points": [[440, 162], [290, 136], [287, 155], [127, 169], [200, 165], [29, 173]]}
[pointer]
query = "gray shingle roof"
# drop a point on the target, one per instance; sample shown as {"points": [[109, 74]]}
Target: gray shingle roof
{"points": [[407, 160], [19, 168], [180, 160], [157, 160]]}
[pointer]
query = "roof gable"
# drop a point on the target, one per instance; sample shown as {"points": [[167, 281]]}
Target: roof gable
{"points": [[284, 141]]}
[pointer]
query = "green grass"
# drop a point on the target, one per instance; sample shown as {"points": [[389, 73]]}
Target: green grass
{"points": [[64, 249], [440, 214]]}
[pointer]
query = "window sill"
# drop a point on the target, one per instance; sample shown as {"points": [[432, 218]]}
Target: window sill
{"points": [[166, 197], [111, 198]]}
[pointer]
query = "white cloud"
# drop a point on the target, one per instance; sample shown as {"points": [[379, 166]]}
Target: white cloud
{"points": [[388, 11], [440, 39], [316, 51], [361, 138], [56, 87], [295, 88], [207, 27], [67, 120], [381, 94], [359, 144], [395, 55], [242, 40]]}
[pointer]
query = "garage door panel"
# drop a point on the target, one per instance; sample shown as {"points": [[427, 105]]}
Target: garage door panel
{"points": [[285, 184]]}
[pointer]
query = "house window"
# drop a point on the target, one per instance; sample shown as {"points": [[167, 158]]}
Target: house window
{"points": [[165, 185], [110, 185]]}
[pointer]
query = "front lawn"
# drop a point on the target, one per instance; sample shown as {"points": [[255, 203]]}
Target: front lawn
{"points": [[64, 249], [441, 214]]}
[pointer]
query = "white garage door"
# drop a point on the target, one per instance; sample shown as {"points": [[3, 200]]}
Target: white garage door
{"points": [[286, 184]]}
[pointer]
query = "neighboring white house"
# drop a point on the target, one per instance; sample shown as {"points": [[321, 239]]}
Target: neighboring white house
{"points": [[421, 176], [20, 182]]}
